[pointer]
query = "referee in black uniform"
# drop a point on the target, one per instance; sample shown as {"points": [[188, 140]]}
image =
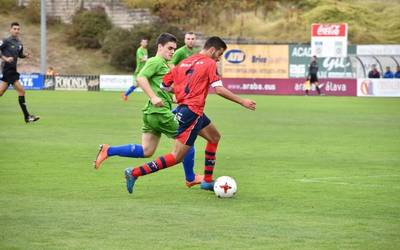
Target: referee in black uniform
{"points": [[313, 73], [10, 49]]}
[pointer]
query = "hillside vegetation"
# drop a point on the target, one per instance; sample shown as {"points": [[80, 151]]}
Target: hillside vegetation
{"points": [[370, 21], [65, 58]]}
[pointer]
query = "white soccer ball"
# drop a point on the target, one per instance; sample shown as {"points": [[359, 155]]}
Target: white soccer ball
{"points": [[225, 187]]}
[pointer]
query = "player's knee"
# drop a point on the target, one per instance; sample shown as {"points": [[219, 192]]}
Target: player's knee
{"points": [[20, 92], [148, 152], [215, 138]]}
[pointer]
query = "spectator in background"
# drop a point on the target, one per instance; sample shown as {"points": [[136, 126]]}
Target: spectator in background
{"points": [[397, 74], [388, 73], [374, 73], [51, 72]]}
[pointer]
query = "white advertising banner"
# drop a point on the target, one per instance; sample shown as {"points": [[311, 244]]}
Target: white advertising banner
{"points": [[82, 82], [115, 82], [378, 87], [378, 50], [329, 40]]}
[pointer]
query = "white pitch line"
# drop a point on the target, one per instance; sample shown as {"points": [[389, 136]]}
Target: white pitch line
{"points": [[341, 183], [326, 180], [350, 177]]}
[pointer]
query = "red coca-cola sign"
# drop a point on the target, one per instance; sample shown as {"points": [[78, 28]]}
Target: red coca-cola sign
{"points": [[318, 29]]}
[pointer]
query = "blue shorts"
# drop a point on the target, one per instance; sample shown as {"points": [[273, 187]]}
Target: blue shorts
{"points": [[190, 124]]}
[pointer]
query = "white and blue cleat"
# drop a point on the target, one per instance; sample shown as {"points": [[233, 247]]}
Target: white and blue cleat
{"points": [[130, 180], [207, 185]]}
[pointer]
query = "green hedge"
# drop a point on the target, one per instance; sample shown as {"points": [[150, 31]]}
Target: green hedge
{"points": [[32, 11], [7, 6], [88, 28], [121, 45]]}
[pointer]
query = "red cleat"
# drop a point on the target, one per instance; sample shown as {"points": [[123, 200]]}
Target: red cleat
{"points": [[197, 180], [101, 155]]}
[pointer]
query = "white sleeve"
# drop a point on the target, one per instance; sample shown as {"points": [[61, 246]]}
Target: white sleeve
{"points": [[2, 44], [217, 84]]}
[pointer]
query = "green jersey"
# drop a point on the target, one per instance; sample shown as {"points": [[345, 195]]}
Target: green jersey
{"points": [[183, 53], [141, 58], [154, 71]]}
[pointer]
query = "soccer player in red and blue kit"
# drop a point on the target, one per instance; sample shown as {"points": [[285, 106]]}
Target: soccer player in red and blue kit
{"points": [[190, 81]]}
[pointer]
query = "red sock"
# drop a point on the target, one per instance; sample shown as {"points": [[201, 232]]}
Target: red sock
{"points": [[211, 150], [162, 162]]}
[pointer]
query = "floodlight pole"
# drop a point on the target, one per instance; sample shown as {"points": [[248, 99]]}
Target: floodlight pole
{"points": [[43, 30]]}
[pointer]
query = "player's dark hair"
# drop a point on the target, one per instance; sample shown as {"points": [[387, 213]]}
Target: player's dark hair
{"points": [[14, 24], [215, 42], [164, 38], [189, 33]]}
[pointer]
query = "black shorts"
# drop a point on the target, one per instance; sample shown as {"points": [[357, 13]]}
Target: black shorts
{"points": [[10, 76], [313, 78]]}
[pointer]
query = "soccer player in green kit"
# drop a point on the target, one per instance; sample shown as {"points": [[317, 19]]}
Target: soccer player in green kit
{"points": [[141, 58], [191, 81], [186, 50], [157, 116]]}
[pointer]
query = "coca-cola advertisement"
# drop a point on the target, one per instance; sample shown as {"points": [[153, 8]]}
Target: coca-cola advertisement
{"points": [[329, 40], [329, 87], [328, 29], [328, 67]]}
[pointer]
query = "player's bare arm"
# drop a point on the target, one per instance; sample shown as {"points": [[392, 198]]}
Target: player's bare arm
{"points": [[227, 94], [7, 59]]}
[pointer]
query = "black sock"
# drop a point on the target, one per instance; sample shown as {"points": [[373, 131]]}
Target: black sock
{"points": [[21, 100], [318, 90]]}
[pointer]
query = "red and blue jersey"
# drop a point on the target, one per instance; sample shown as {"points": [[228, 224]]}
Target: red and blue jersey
{"points": [[191, 80]]}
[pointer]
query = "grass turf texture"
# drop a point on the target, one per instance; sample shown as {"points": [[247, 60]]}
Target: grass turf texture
{"points": [[312, 173]]}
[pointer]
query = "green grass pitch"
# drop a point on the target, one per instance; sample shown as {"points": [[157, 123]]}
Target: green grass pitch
{"points": [[312, 173]]}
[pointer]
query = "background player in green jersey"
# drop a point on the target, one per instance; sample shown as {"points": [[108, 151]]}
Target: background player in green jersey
{"points": [[141, 58], [157, 116], [187, 50]]}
